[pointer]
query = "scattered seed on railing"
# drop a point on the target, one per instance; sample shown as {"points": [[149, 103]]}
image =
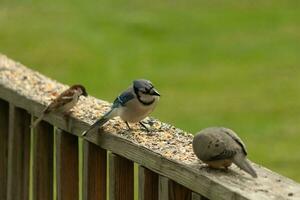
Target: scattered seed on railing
{"points": [[164, 139], [168, 142]]}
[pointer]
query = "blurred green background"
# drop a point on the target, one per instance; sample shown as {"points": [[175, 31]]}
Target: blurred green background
{"points": [[216, 63]]}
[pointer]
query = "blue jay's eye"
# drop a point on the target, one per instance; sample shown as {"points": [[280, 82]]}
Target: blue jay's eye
{"points": [[144, 91], [147, 90]]}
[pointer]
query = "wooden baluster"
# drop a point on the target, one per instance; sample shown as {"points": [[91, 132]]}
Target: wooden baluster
{"points": [[148, 184], [94, 172], [4, 109], [67, 166], [120, 178], [43, 161], [18, 154], [163, 188], [196, 196], [169, 189], [178, 192]]}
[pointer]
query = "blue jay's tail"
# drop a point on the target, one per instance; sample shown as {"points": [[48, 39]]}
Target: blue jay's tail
{"points": [[100, 122]]}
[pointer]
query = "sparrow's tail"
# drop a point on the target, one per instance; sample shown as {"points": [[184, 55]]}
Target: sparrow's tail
{"points": [[244, 164], [100, 122], [35, 123]]}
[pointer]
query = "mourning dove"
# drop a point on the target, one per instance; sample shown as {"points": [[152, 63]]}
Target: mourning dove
{"points": [[220, 147]]}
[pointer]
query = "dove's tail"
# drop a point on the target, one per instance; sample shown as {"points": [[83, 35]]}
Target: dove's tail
{"points": [[100, 122], [242, 162], [35, 123]]}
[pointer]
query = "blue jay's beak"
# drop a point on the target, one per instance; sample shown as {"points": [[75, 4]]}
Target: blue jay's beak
{"points": [[154, 92]]}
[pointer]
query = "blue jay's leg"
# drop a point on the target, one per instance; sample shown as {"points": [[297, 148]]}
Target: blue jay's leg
{"points": [[128, 126], [143, 125]]}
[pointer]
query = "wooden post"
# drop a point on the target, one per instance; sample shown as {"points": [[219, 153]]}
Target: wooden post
{"points": [[18, 154], [148, 184], [4, 108], [120, 178], [178, 192], [94, 172], [67, 166], [43, 162]]}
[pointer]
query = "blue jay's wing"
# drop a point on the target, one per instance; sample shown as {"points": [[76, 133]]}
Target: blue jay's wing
{"points": [[123, 98]]}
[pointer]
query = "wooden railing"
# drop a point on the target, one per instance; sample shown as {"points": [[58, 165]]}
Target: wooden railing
{"points": [[47, 161]]}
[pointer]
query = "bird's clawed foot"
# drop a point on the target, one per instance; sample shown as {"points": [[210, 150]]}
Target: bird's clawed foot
{"points": [[143, 125], [129, 129], [149, 132]]}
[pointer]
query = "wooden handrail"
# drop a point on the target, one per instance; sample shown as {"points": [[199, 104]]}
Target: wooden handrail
{"points": [[167, 152]]}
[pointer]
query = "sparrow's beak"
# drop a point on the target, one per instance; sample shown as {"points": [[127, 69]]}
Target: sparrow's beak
{"points": [[154, 92]]}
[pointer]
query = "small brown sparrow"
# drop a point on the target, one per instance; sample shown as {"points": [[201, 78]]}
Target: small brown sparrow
{"points": [[64, 102]]}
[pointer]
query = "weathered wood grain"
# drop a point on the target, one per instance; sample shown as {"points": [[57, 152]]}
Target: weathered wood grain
{"points": [[18, 154], [4, 108], [213, 184], [196, 196], [171, 190], [202, 183], [94, 171], [120, 178], [178, 192], [43, 139], [148, 184], [163, 188], [67, 166]]}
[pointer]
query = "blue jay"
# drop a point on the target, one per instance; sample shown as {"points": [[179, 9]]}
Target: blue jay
{"points": [[133, 105]]}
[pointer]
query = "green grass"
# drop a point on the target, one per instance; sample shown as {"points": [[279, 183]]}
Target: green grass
{"points": [[229, 63]]}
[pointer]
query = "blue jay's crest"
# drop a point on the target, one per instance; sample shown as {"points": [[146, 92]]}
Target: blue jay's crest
{"points": [[142, 83], [144, 86]]}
